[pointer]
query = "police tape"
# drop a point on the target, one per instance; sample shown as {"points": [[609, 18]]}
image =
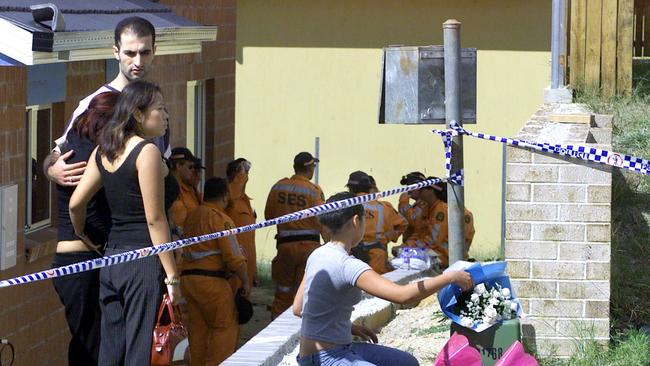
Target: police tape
{"points": [[136, 254], [586, 153]]}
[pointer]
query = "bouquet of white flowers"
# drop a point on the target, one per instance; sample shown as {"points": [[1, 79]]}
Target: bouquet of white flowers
{"points": [[490, 302], [486, 306]]}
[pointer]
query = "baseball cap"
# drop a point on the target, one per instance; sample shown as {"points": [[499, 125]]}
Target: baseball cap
{"points": [[412, 178], [182, 153], [304, 159], [198, 163], [357, 178]]}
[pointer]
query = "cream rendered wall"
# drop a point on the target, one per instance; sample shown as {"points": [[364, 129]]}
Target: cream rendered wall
{"points": [[312, 68]]}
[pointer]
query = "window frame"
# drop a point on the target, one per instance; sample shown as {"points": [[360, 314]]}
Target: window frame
{"points": [[31, 120], [195, 121]]}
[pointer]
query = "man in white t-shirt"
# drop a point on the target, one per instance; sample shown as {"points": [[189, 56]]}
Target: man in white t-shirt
{"points": [[134, 49]]}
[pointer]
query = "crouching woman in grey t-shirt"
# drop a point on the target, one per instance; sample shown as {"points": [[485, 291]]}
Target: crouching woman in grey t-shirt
{"points": [[332, 286]]}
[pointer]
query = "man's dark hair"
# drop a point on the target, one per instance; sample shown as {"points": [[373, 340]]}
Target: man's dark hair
{"points": [[233, 168], [136, 25], [215, 188], [301, 168], [335, 220]]}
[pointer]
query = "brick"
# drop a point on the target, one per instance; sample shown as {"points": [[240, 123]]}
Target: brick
{"points": [[531, 173], [518, 269], [549, 158], [599, 233], [556, 308], [583, 328], [517, 192], [517, 231], [541, 326], [599, 194], [598, 271], [559, 232], [583, 174], [586, 213], [584, 290], [530, 250], [559, 193], [535, 289], [518, 155], [531, 212], [584, 252], [558, 270], [597, 309]]}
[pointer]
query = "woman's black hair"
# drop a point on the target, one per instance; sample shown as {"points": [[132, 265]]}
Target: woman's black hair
{"points": [[412, 178], [137, 95], [335, 220]]}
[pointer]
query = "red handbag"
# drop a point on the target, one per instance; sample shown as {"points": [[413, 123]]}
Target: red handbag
{"points": [[167, 334]]}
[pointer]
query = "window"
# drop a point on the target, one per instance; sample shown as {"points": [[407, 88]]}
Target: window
{"points": [[38, 188], [195, 120]]}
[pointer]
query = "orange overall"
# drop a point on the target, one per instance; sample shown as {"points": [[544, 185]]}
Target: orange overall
{"points": [[383, 224], [435, 234], [188, 200], [295, 240], [413, 214], [213, 325], [240, 211]]}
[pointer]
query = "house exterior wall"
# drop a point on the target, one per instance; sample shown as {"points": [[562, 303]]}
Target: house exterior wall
{"points": [[31, 316], [308, 69]]}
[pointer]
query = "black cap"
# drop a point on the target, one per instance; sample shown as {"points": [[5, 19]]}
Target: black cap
{"points": [[412, 178], [182, 153], [198, 164], [359, 178], [304, 159]]}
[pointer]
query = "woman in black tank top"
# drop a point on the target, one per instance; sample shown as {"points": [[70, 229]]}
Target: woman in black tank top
{"points": [[130, 169], [79, 293]]}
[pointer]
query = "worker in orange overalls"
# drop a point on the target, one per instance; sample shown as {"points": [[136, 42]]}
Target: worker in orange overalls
{"points": [[241, 212], [435, 233], [412, 212], [183, 166], [297, 239], [383, 224], [213, 324]]}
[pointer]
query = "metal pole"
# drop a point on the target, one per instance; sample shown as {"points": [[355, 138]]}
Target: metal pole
{"points": [[316, 153], [556, 42], [455, 193]]}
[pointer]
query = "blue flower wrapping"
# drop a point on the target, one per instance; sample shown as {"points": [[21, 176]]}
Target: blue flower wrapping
{"points": [[489, 274]]}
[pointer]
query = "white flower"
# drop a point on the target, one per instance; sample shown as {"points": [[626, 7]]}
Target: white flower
{"points": [[490, 312], [507, 315], [506, 292], [466, 322], [513, 306], [493, 301], [475, 297], [479, 289], [488, 320]]}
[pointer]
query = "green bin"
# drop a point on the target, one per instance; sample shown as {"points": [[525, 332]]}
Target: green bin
{"points": [[493, 342]]}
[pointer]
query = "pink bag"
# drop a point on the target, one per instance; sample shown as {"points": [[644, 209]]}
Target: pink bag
{"points": [[516, 356], [458, 352]]}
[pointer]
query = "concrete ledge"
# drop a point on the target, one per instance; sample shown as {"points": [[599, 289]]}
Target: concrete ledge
{"points": [[278, 342]]}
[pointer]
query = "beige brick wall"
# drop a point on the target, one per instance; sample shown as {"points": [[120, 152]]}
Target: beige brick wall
{"points": [[557, 236]]}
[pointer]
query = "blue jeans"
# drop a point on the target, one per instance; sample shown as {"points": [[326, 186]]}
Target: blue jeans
{"points": [[359, 354]]}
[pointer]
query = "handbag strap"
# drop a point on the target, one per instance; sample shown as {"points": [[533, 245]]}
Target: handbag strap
{"points": [[173, 310]]}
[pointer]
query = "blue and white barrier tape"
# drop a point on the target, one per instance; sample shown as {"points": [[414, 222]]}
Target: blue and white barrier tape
{"points": [[586, 153], [155, 250]]}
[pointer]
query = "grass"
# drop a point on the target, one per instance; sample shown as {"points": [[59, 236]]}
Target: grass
{"points": [[264, 274], [431, 330], [629, 348]]}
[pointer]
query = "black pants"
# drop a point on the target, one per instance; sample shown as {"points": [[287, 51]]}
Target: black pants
{"points": [[130, 294], [79, 294]]}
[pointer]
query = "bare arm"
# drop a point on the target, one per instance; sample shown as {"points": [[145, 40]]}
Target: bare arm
{"points": [[297, 301], [376, 285], [150, 175], [89, 184]]}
